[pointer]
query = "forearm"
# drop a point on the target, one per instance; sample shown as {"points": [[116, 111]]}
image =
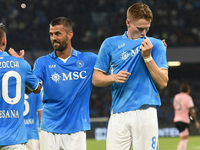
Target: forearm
{"points": [[99, 79], [193, 114], [159, 76]]}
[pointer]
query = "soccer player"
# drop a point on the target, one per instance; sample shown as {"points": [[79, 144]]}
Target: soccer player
{"points": [[15, 73], [66, 75], [137, 66], [32, 113], [183, 106]]}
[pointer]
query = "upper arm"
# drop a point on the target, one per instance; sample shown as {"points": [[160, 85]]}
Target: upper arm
{"points": [[159, 54], [104, 57]]}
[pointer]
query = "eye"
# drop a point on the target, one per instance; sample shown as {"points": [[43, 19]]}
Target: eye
{"points": [[141, 29]]}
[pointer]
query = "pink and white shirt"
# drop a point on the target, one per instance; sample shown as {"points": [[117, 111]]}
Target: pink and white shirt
{"points": [[182, 103]]}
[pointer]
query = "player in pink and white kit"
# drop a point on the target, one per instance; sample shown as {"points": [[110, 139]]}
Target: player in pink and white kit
{"points": [[183, 106]]}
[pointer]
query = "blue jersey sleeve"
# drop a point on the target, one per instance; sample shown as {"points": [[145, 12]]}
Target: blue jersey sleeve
{"points": [[38, 69], [159, 54], [39, 101], [32, 81], [104, 57]]}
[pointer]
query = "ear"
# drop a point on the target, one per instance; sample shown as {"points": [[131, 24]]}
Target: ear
{"points": [[4, 41], [128, 22], [70, 35]]}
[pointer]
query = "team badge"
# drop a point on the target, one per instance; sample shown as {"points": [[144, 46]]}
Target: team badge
{"points": [[80, 63], [55, 77], [124, 55]]}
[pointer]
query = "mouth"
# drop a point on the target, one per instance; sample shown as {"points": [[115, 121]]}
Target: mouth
{"points": [[56, 43]]}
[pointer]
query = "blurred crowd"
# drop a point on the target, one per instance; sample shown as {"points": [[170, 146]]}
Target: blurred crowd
{"points": [[101, 97], [94, 20], [177, 21]]}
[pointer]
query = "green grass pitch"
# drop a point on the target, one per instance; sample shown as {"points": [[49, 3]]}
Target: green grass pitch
{"points": [[165, 143]]}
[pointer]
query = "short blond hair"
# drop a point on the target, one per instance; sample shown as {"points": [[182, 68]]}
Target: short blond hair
{"points": [[139, 11]]}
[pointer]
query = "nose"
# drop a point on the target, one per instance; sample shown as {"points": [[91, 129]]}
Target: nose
{"points": [[53, 37]]}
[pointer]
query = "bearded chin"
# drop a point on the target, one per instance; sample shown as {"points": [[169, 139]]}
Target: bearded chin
{"points": [[60, 48]]}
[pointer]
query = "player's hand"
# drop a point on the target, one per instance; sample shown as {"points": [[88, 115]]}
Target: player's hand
{"points": [[146, 48], [122, 76], [14, 53], [197, 124], [164, 43]]}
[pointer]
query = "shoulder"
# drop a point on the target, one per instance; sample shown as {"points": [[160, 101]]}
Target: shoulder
{"points": [[157, 44], [42, 58], [112, 42], [87, 55], [84, 54], [113, 38]]}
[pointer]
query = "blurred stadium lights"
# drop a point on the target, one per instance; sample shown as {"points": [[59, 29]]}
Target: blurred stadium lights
{"points": [[174, 63]]}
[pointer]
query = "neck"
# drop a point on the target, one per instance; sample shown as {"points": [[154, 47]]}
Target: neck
{"points": [[1, 49], [64, 54], [131, 37]]}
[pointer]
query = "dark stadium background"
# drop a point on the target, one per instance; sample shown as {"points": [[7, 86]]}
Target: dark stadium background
{"points": [[176, 21]]}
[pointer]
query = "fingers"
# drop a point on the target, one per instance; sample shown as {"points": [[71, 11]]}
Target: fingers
{"points": [[13, 53], [147, 44], [22, 53], [165, 44], [146, 48], [122, 76]]}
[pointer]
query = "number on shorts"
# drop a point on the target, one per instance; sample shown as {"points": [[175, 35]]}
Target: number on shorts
{"points": [[153, 142]]}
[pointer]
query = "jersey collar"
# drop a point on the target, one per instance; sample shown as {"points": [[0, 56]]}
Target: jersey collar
{"points": [[53, 54], [4, 53]]}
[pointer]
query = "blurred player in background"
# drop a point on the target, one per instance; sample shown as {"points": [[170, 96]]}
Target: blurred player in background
{"points": [[15, 73], [66, 75], [183, 106], [32, 113], [137, 64]]}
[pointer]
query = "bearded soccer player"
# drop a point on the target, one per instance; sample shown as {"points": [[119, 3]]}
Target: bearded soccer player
{"points": [[66, 75]]}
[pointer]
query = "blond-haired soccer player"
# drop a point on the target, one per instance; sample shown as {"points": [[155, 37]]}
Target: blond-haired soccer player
{"points": [[137, 65]]}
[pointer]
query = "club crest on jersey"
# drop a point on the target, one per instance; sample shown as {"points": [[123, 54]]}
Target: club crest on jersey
{"points": [[80, 63], [125, 55], [55, 77]]}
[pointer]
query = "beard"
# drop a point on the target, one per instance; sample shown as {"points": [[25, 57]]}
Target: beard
{"points": [[60, 46]]}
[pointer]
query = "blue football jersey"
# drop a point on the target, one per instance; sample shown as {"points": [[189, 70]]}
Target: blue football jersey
{"points": [[118, 53], [32, 103], [67, 87], [15, 73]]}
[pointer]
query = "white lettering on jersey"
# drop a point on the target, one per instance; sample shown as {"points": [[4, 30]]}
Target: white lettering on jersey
{"points": [[9, 64], [9, 114], [135, 52], [70, 76], [74, 75], [122, 45], [125, 55], [52, 66], [28, 121]]}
